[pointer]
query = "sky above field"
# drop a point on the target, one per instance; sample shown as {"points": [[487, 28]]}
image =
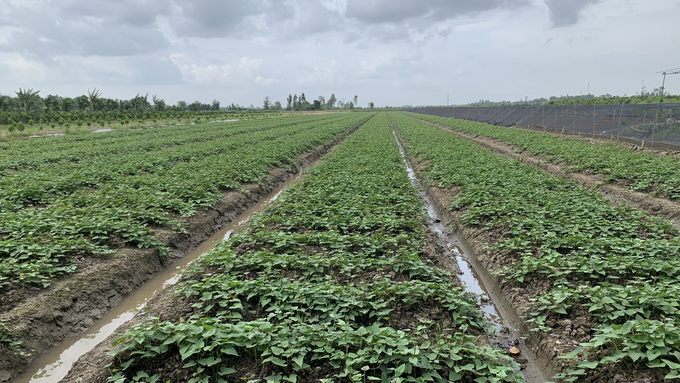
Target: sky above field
{"points": [[390, 52]]}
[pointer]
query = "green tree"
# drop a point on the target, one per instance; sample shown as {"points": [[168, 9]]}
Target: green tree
{"points": [[331, 101], [303, 102], [266, 103], [371, 105], [93, 97], [67, 104], [290, 102], [82, 103], [27, 99], [158, 103]]}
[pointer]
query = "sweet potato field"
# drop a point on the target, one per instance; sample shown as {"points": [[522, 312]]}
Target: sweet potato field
{"points": [[340, 279], [64, 197], [598, 281], [330, 284]]}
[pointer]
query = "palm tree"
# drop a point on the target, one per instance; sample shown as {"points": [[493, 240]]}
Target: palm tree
{"points": [[27, 98], [93, 97], [158, 103], [66, 104], [53, 102]]}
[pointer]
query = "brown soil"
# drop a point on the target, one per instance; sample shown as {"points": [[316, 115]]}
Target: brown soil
{"points": [[44, 318], [616, 193]]}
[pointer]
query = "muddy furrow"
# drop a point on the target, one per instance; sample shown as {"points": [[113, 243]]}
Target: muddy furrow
{"points": [[512, 335], [74, 304], [653, 205]]}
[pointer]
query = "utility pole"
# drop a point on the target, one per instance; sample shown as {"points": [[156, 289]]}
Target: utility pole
{"points": [[664, 73], [447, 99]]}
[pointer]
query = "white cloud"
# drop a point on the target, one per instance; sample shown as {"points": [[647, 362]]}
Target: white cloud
{"points": [[244, 71], [22, 68]]}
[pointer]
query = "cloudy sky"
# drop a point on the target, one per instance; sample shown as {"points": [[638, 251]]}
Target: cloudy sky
{"points": [[391, 52]]}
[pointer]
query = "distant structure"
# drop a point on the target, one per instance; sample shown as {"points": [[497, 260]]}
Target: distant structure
{"points": [[664, 73]]}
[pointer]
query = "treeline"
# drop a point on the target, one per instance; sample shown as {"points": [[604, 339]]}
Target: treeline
{"points": [[30, 101], [300, 103], [642, 98], [28, 108]]}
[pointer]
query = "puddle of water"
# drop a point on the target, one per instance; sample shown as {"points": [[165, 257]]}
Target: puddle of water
{"points": [[46, 135], [468, 277], [56, 363], [102, 130], [214, 121]]}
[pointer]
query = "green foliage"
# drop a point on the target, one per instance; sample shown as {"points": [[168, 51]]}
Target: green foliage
{"points": [[332, 278], [618, 264], [8, 339], [82, 196], [640, 171]]}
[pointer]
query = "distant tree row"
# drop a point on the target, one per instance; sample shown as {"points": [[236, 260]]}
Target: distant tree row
{"points": [[30, 101], [300, 103], [29, 110], [643, 98]]}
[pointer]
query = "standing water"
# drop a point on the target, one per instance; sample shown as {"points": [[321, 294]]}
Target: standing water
{"points": [[56, 363], [472, 275]]}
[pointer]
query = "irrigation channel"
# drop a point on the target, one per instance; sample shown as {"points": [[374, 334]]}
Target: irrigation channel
{"points": [[56, 363], [497, 311]]}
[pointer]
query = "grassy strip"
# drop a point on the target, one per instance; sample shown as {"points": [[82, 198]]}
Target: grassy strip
{"points": [[641, 171], [120, 208], [330, 284], [613, 268]]}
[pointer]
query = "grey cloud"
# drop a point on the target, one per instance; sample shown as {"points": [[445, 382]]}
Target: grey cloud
{"points": [[389, 11], [313, 17], [85, 41], [102, 28], [137, 13], [155, 71], [566, 12], [144, 70], [212, 18], [273, 19], [415, 20]]}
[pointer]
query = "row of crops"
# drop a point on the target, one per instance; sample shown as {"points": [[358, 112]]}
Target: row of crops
{"points": [[329, 284], [639, 171], [20, 121], [602, 279], [63, 197]]}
